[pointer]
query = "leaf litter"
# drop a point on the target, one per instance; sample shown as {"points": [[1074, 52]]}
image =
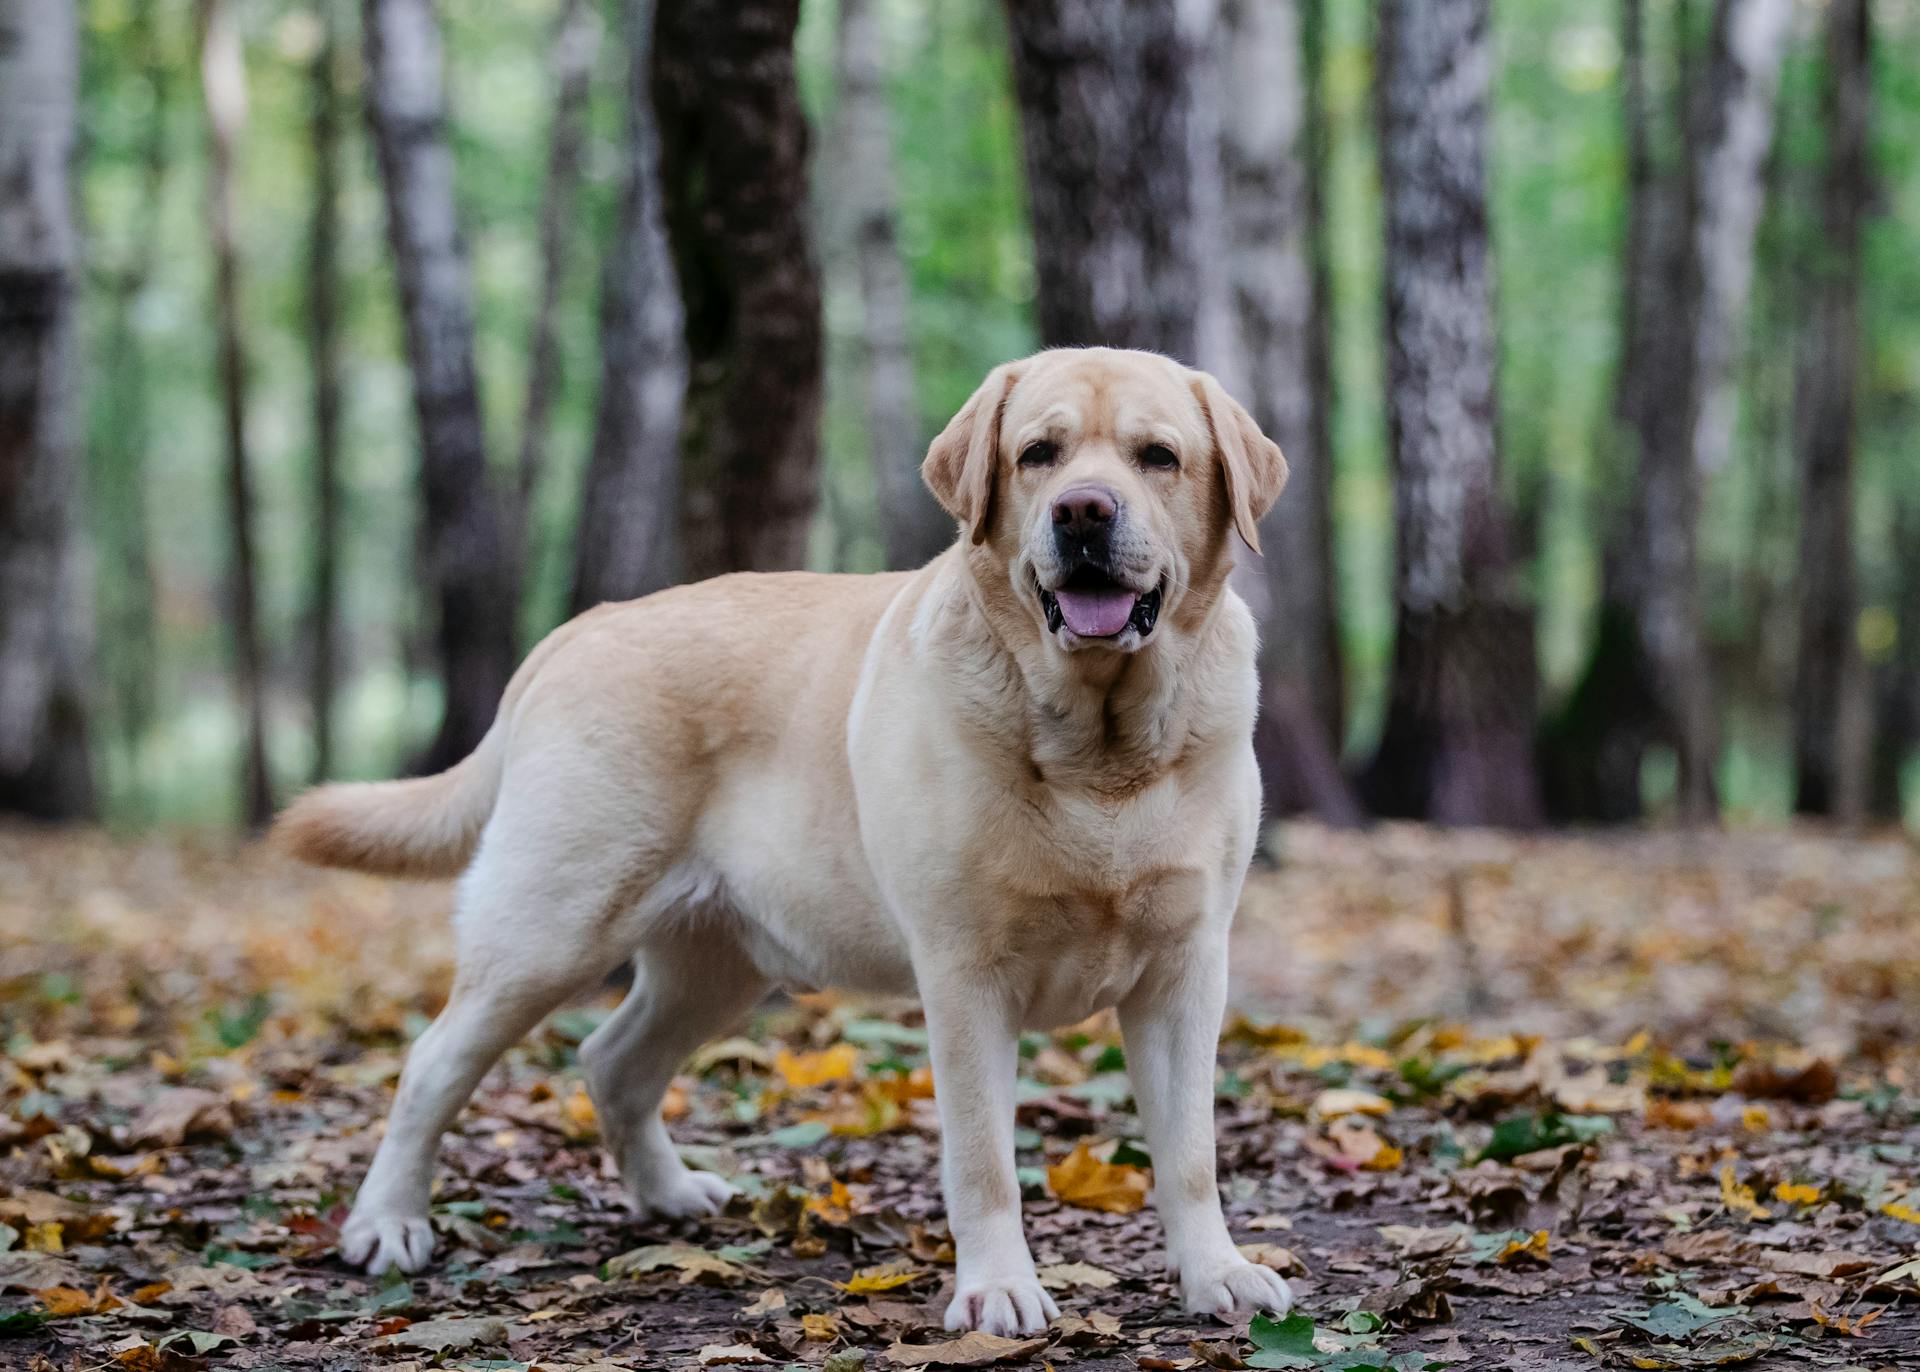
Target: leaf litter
{"points": [[1536, 1103]]}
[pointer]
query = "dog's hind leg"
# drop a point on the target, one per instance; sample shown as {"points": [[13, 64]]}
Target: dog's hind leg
{"points": [[510, 973], [687, 988]]}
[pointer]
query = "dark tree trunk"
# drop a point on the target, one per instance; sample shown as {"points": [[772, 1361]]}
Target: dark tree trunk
{"points": [[1830, 705], [912, 523], [1107, 112], [629, 535], [1270, 207], [467, 566], [223, 77], [1457, 743], [1591, 751], [1896, 681], [576, 40], [44, 619], [323, 342], [1689, 263], [733, 155]]}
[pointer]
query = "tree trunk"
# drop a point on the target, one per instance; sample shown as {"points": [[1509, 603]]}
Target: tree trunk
{"points": [[1896, 682], [629, 534], [1690, 427], [323, 341], [1457, 743], [224, 81], [733, 155], [1107, 108], [1830, 706], [914, 526], [44, 620], [465, 551], [1270, 246], [576, 40]]}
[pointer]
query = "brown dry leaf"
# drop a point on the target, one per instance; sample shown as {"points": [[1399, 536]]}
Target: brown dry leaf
{"points": [[772, 1301], [693, 1264], [729, 1355], [1350, 1144], [1281, 1260], [1066, 1276], [1533, 1249], [819, 1328], [1825, 1266], [1337, 1101], [182, 1113], [1665, 1113], [1082, 1179], [969, 1350], [1848, 1325], [62, 1302], [1814, 1084]]}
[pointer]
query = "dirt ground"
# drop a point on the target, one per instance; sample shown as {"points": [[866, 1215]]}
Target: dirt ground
{"points": [[1648, 1101]]}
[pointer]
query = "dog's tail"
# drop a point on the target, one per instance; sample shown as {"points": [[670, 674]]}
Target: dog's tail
{"points": [[422, 827]]}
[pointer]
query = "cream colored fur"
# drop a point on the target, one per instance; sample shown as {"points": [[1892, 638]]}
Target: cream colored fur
{"points": [[891, 783]]}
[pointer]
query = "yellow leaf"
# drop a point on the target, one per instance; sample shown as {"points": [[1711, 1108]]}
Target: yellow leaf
{"points": [[1739, 1198], [1756, 1118], [1533, 1248], [819, 1328], [836, 1207], [1796, 1193], [801, 1070], [63, 1301], [1901, 1212], [1386, 1160], [578, 1114], [871, 1280], [1082, 1179], [44, 1237]]}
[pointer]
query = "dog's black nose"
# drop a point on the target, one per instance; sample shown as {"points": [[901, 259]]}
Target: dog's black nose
{"points": [[1084, 510]]}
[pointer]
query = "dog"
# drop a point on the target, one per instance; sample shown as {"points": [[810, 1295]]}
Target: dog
{"points": [[1018, 783]]}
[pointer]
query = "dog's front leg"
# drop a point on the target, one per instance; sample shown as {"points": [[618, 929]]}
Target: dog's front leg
{"points": [[974, 1043], [1172, 1027]]}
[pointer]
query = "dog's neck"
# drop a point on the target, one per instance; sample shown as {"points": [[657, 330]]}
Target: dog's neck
{"points": [[1110, 722]]}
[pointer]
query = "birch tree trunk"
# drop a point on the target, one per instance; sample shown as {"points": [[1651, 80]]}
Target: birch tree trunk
{"points": [[224, 81], [323, 345], [467, 565], [44, 619], [1830, 704], [1692, 428], [912, 523], [1107, 116], [1269, 218], [1457, 743], [576, 41], [629, 531], [733, 155]]}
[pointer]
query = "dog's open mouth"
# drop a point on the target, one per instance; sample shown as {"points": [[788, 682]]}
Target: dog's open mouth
{"points": [[1094, 605]]}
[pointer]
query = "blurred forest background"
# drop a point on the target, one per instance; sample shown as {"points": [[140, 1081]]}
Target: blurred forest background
{"points": [[345, 348]]}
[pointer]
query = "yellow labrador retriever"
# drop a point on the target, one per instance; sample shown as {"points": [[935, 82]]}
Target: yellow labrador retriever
{"points": [[1018, 782]]}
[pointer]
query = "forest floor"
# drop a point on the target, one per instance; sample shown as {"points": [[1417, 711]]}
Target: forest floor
{"points": [[1560, 1103]]}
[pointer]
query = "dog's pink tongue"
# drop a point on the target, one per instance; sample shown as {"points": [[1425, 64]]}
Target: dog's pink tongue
{"points": [[1096, 614]]}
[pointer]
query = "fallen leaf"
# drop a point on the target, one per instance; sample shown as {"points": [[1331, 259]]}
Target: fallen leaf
{"points": [[458, 1334], [693, 1264], [729, 1355], [1082, 1179], [1338, 1101], [1066, 1276], [179, 1114], [886, 1277], [1738, 1197], [802, 1070], [969, 1350]]}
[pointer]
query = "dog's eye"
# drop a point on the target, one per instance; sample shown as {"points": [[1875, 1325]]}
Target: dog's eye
{"points": [[1158, 456], [1039, 454]]}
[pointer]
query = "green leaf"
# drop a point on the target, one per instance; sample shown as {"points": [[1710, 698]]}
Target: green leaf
{"points": [[1293, 1335], [1130, 1154], [1680, 1318], [1522, 1134], [20, 1323], [799, 1135]]}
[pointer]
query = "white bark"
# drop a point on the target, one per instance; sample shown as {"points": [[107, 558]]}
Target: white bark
{"points": [[1736, 129], [866, 230]]}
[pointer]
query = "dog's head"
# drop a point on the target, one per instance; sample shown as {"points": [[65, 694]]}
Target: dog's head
{"points": [[1099, 491]]}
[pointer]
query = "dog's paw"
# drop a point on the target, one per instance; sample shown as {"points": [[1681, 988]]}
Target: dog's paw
{"points": [[1007, 1307], [377, 1241], [1230, 1285], [685, 1195]]}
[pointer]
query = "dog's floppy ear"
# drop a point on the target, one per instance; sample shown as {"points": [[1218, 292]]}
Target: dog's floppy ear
{"points": [[960, 462], [1250, 462]]}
